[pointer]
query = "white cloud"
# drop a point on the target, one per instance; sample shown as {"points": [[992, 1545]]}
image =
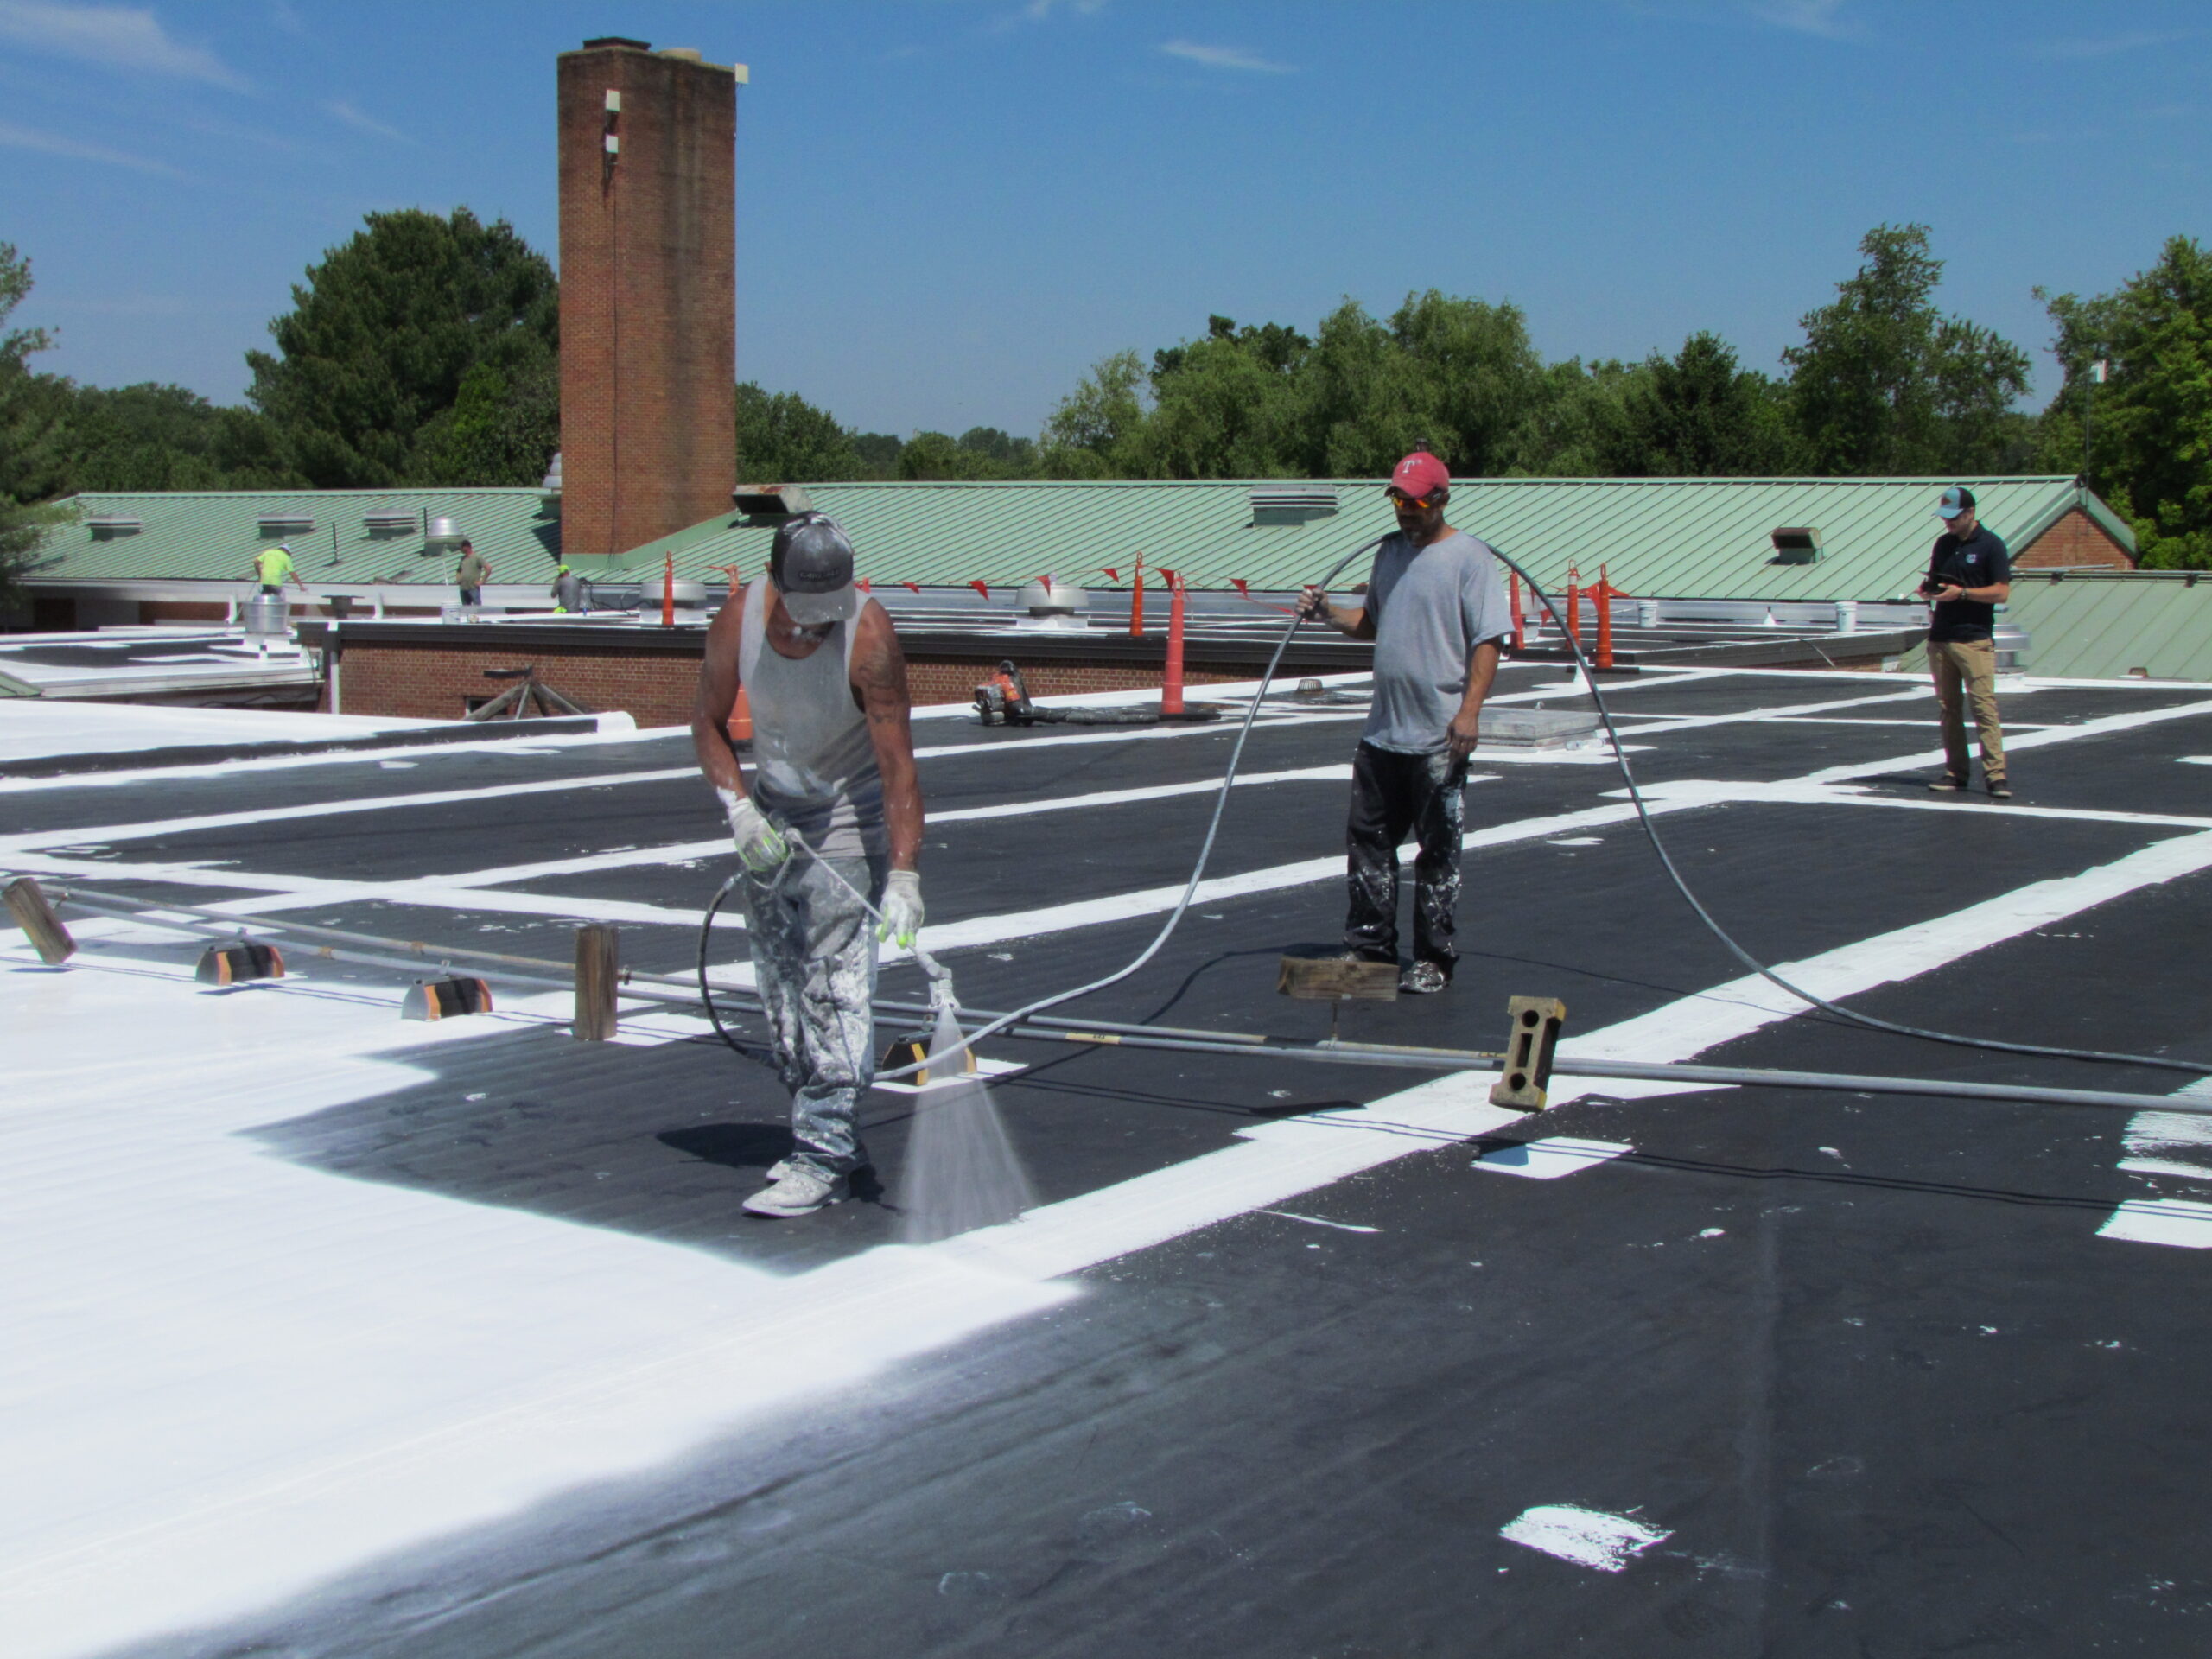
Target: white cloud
{"points": [[1821, 17], [2111, 45], [117, 36], [16, 137], [344, 110], [1226, 57]]}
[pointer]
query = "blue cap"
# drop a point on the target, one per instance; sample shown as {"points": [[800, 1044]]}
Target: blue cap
{"points": [[1956, 500]]}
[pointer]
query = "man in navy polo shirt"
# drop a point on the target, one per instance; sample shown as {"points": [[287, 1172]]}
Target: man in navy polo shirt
{"points": [[1969, 575]]}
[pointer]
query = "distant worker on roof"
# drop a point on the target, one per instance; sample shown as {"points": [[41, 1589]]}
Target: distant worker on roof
{"points": [[475, 570], [270, 567], [1969, 575], [834, 761], [568, 590], [1436, 610]]}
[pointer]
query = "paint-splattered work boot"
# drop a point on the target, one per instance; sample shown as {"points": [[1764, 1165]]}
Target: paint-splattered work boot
{"points": [[801, 1192]]}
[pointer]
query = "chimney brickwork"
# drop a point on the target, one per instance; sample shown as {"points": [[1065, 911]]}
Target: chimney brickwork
{"points": [[648, 295]]}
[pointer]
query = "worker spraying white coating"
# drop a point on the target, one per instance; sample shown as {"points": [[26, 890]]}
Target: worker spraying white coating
{"points": [[834, 758]]}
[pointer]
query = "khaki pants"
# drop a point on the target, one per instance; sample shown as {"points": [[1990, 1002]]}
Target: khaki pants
{"points": [[1966, 671]]}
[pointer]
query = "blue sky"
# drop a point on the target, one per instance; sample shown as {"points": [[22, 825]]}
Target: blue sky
{"points": [[948, 209]]}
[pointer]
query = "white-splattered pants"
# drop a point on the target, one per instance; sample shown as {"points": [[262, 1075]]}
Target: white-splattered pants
{"points": [[814, 958]]}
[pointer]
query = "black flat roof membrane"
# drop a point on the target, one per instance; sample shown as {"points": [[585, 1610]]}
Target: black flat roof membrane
{"points": [[1310, 1360]]}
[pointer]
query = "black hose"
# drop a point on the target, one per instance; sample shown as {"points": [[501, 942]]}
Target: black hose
{"points": [[1666, 862]]}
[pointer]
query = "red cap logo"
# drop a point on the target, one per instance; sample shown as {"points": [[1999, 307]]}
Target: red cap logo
{"points": [[1419, 475]]}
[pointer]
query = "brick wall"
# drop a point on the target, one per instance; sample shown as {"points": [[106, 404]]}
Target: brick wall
{"points": [[153, 612], [648, 296], [2076, 540], [422, 681]]}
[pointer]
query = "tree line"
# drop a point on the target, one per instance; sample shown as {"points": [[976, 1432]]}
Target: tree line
{"points": [[425, 351]]}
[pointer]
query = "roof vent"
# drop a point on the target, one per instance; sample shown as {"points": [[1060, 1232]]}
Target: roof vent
{"points": [[108, 526], [769, 504], [1292, 507], [550, 484], [286, 523], [1799, 544], [443, 529], [384, 524], [1052, 603]]}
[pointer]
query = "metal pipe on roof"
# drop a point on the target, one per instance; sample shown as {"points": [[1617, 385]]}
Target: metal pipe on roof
{"points": [[1112, 1033]]}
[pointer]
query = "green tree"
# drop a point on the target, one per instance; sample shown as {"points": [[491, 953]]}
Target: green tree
{"points": [[503, 429], [1698, 413], [1089, 431], [1223, 406], [384, 331], [2151, 425], [26, 420], [1885, 384], [783, 439]]}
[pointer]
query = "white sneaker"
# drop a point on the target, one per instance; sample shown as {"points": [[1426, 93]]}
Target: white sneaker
{"points": [[801, 1192]]}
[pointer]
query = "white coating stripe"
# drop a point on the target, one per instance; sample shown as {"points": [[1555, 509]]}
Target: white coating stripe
{"points": [[2103, 726], [109, 834], [1752, 716], [1743, 1005]]}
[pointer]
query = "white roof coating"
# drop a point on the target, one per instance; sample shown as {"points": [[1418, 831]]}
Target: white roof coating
{"points": [[35, 726]]}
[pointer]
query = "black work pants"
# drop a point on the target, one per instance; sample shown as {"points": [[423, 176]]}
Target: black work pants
{"points": [[1392, 795]]}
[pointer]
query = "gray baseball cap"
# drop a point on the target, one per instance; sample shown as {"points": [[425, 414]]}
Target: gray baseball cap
{"points": [[811, 565]]}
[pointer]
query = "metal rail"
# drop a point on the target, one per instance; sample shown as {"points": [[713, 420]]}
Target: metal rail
{"points": [[1095, 1033]]}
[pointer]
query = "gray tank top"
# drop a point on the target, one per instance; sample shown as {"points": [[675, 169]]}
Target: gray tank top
{"points": [[813, 766]]}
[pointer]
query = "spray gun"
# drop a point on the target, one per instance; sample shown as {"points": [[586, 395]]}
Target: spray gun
{"points": [[942, 1002]]}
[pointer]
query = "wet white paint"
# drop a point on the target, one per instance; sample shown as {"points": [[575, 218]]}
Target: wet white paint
{"points": [[33, 727], [1550, 1159], [1590, 1538], [2168, 1147], [1317, 1221], [2183, 1222]]}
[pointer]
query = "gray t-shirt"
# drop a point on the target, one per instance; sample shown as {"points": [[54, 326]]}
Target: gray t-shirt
{"points": [[1431, 605]]}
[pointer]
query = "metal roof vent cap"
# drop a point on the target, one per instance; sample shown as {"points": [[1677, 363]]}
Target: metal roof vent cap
{"points": [[389, 524], [443, 529], [108, 526], [1796, 544], [1048, 602], [769, 504], [276, 523], [551, 482], [1282, 503]]}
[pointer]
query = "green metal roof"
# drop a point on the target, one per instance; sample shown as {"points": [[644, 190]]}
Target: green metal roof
{"points": [[2100, 627], [212, 536], [1704, 538]]}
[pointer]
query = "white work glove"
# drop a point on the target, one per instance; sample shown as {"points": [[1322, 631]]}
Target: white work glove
{"points": [[902, 907], [761, 845]]}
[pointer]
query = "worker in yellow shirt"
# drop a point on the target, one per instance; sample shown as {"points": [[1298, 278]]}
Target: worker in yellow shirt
{"points": [[271, 565]]}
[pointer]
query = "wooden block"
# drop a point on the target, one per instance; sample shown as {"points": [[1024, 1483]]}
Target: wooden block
{"points": [[1537, 1021], [26, 904], [1321, 974], [599, 972]]}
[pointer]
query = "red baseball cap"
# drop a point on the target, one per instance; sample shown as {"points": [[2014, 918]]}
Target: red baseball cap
{"points": [[1420, 475]]}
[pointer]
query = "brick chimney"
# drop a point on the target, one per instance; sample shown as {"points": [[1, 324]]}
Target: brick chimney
{"points": [[648, 292]]}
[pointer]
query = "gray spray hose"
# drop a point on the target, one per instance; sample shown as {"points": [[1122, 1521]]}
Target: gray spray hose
{"points": [[2194, 1068], [1167, 929]]}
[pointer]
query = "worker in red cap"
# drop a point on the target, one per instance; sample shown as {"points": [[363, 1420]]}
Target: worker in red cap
{"points": [[1436, 609]]}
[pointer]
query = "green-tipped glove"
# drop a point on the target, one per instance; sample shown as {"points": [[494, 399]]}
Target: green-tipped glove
{"points": [[902, 907], [761, 845]]}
